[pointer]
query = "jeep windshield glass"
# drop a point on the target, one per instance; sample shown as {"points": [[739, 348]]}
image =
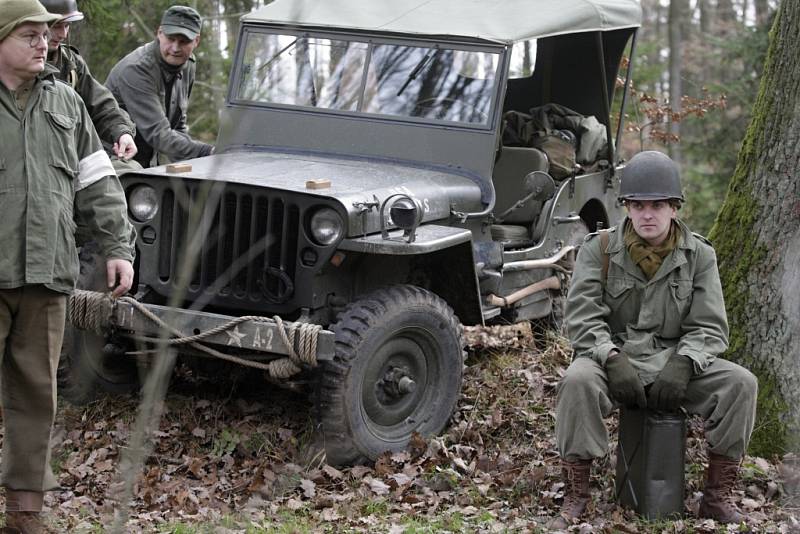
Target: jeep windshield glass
{"points": [[436, 83]]}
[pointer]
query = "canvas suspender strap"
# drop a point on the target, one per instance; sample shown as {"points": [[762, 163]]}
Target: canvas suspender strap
{"points": [[603, 246]]}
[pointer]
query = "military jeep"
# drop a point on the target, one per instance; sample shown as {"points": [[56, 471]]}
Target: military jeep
{"points": [[365, 201]]}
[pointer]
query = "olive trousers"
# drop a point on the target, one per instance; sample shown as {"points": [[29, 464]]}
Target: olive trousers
{"points": [[724, 395], [31, 331]]}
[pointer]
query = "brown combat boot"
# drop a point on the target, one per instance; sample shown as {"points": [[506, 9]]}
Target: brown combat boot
{"points": [[576, 475], [25, 523], [717, 501]]}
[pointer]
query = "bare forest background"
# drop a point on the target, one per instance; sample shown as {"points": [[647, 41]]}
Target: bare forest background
{"points": [[696, 74]]}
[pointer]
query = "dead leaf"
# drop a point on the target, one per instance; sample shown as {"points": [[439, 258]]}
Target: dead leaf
{"points": [[309, 488], [332, 472], [377, 487], [750, 504], [329, 514]]}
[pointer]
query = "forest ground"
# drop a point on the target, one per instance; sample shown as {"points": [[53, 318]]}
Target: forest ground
{"points": [[232, 455]]}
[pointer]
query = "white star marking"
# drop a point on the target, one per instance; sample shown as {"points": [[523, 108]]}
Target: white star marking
{"points": [[235, 337]]}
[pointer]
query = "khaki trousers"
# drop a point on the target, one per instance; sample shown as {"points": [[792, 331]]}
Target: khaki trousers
{"points": [[31, 331], [724, 395]]}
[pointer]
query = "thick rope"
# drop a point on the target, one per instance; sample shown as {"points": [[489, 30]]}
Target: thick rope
{"points": [[89, 310]]}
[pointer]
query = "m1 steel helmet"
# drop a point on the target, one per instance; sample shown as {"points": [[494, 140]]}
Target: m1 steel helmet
{"points": [[68, 9], [650, 175]]}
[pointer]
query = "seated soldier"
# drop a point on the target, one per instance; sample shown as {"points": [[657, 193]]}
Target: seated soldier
{"points": [[655, 318]]}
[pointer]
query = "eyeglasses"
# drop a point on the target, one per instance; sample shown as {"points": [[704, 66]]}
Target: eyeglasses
{"points": [[32, 38]]}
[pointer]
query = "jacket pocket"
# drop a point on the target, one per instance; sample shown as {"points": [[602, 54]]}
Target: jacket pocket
{"points": [[63, 149], [65, 122], [623, 299], [62, 179], [678, 303], [65, 263], [618, 289]]}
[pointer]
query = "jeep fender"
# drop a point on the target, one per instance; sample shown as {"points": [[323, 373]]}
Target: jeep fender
{"points": [[439, 259]]}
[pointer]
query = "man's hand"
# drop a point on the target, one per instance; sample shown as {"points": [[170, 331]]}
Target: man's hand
{"points": [[624, 384], [125, 148], [669, 389], [120, 276]]}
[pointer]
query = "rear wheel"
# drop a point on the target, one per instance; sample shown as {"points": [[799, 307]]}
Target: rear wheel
{"points": [[89, 364], [397, 370]]}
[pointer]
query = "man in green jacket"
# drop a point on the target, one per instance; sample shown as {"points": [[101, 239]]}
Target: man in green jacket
{"points": [[153, 84], [51, 164], [114, 126], [651, 318]]}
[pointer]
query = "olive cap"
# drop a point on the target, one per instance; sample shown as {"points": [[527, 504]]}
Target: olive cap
{"points": [[650, 175], [181, 20], [16, 12], [68, 9]]}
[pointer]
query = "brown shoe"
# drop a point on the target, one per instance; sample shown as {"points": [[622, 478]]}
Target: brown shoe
{"points": [[576, 474], [25, 523], [717, 501]]}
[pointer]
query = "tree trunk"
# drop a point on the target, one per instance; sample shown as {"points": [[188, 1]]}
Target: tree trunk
{"points": [[762, 12], [757, 237], [677, 11], [705, 16], [725, 11]]}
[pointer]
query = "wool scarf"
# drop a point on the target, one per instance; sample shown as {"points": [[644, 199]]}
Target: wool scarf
{"points": [[645, 255]]}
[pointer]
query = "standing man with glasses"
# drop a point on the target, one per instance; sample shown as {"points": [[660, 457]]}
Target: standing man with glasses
{"points": [[113, 125], [154, 82], [52, 164]]}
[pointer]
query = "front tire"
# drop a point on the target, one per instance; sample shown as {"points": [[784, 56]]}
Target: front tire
{"points": [[88, 364], [397, 370]]}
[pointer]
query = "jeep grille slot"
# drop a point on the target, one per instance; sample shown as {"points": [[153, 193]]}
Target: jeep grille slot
{"points": [[247, 250]]}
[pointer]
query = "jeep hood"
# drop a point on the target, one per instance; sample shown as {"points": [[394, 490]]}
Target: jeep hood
{"points": [[354, 183]]}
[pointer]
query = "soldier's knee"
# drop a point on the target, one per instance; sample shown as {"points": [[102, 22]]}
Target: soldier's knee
{"points": [[749, 382], [582, 374]]}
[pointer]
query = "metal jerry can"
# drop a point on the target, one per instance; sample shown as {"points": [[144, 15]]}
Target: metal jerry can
{"points": [[650, 462]]}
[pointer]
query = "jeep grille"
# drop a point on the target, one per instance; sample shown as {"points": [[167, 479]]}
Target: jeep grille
{"points": [[247, 245]]}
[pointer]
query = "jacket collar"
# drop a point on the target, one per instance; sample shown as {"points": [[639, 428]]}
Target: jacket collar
{"points": [[619, 255]]}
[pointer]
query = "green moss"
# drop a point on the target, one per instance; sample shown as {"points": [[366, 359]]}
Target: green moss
{"points": [[740, 254], [770, 435]]}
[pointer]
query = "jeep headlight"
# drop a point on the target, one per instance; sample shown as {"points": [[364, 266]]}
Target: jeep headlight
{"points": [[406, 213], [326, 226], [143, 203]]}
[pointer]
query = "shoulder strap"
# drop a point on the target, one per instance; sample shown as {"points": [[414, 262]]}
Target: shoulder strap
{"points": [[603, 246]]}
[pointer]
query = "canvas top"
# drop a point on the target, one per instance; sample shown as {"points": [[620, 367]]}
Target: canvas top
{"points": [[505, 21]]}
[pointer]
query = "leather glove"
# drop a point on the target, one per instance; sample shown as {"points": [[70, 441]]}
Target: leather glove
{"points": [[669, 389], [624, 384]]}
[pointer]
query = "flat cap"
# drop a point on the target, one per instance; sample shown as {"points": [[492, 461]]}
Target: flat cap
{"points": [[181, 20]]}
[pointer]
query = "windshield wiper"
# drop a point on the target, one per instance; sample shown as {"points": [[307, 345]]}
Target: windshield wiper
{"points": [[274, 58], [414, 73]]}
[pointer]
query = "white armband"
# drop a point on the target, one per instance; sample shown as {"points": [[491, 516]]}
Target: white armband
{"points": [[94, 168]]}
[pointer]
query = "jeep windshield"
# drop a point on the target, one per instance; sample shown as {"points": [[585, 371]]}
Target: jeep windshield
{"points": [[440, 83]]}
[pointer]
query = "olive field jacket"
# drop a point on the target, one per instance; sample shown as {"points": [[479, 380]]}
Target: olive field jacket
{"points": [[52, 164], [109, 120], [139, 83], [681, 310]]}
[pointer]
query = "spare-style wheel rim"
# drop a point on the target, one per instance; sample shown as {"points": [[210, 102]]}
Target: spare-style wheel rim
{"points": [[397, 381]]}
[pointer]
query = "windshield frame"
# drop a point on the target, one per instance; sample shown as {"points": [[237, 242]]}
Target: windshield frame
{"points": [[372, 39]]}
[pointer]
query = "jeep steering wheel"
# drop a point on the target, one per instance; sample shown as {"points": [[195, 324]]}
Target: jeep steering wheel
{"points": [[446, 104]]}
